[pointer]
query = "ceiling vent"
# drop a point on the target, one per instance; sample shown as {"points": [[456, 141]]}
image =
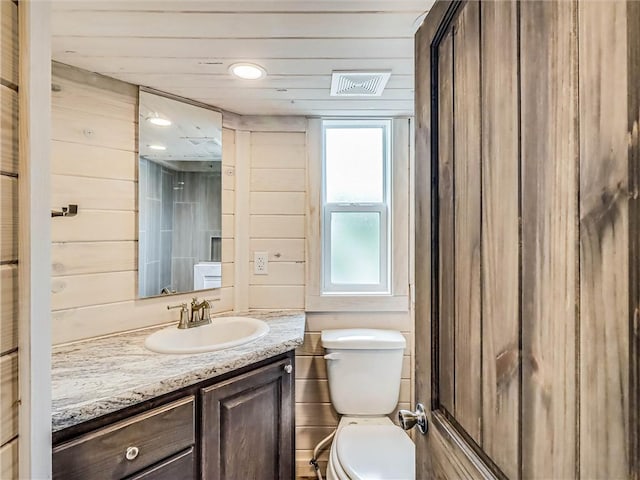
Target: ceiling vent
{"points": [[358, 84]]}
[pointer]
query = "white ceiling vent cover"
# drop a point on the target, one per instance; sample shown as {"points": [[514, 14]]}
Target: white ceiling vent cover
{"points": [[358, 84]]}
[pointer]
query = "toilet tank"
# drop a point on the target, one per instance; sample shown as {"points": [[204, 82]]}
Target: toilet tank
{"points": [[364, 368]]}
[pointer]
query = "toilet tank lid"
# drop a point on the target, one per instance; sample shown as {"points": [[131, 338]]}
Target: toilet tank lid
{"points": [[363, 339]]}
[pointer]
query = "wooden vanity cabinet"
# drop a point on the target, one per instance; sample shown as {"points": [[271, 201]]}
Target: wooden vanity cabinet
{"points": [[240, 425], [247, 425]]}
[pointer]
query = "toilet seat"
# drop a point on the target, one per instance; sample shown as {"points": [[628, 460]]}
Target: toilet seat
{"points": [[334, 470], [372, 450]]}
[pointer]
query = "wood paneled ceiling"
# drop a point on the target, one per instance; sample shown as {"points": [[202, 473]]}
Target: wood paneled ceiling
{"points": [[186, 47]]}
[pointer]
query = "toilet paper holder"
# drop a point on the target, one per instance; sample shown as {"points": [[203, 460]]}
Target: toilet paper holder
{"points": [[70, 211]]}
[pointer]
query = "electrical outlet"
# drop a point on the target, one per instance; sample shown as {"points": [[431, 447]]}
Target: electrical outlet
{"points": [[261, 263]]}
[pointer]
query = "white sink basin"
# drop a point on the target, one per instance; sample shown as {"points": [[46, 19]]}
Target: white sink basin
{"points": [[223, 332]]}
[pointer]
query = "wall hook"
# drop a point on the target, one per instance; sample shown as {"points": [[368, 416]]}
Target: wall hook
{"points": [[70, 211]]}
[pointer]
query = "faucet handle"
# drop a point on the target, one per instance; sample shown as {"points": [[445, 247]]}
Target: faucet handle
{"points": [[184, 314], [181, 306], [205, 315]]}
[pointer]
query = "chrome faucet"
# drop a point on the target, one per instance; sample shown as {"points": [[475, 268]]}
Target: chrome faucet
{"points": [[200, 313]]}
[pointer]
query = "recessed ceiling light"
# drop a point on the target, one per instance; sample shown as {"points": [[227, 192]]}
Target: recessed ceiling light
{"points": [[158, 120], [248, 71], [157, 147]]}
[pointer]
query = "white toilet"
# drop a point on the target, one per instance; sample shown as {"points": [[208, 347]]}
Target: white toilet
{"points": [[364, 370]]}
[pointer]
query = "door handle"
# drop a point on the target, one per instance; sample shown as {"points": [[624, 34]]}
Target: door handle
{"points": [[409, 419]]}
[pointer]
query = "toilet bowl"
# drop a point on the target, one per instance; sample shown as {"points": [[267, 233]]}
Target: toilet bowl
{"points": [[364, 371], [371, 448]]}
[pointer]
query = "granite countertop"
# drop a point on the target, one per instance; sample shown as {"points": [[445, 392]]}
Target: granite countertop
{"points": [[98, 376]]}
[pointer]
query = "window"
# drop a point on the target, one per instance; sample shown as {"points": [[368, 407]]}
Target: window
{"points": [[356, 206]]}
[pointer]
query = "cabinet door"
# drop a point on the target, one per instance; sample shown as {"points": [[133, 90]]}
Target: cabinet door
{"points": [[247, 425]]}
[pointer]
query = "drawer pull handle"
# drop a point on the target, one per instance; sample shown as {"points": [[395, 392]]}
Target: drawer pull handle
{"points": [[288, 368], [132, 453]]}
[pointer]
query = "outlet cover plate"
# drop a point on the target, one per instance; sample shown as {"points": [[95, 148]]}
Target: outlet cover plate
{"points": [[261, 263]]}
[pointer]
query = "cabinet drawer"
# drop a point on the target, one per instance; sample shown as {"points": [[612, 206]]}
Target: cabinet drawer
{"points": [[178, 467], [156, 434]]}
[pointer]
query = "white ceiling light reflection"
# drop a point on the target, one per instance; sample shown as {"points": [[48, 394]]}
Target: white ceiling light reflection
{"points": [[157, 147], [158, 120]]}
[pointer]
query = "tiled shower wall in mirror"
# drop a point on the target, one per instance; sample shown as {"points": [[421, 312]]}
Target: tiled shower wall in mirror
{"points": [[181, 223]]}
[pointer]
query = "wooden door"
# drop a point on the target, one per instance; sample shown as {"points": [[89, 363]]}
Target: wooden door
{"points": [[247, 425], [528, 239]]}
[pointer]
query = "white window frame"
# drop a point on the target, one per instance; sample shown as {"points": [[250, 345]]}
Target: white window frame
{"points": [[383, 209], [398, 300]]}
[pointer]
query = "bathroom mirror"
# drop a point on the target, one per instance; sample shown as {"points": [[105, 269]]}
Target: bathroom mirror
{"points": [[179, 196]]}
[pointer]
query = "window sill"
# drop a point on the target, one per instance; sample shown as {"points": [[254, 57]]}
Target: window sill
{"points": [[357, 303]]}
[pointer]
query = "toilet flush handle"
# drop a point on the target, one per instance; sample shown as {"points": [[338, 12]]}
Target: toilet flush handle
{"points": [[409, 419], [332, 356]]}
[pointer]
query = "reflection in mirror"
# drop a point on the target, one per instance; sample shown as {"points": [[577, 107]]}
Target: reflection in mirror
{"points": [[179, 196]]}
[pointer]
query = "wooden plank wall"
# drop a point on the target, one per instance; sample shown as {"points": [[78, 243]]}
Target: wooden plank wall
{"points": [[94, 254], [276, 207], [8, 239]]}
